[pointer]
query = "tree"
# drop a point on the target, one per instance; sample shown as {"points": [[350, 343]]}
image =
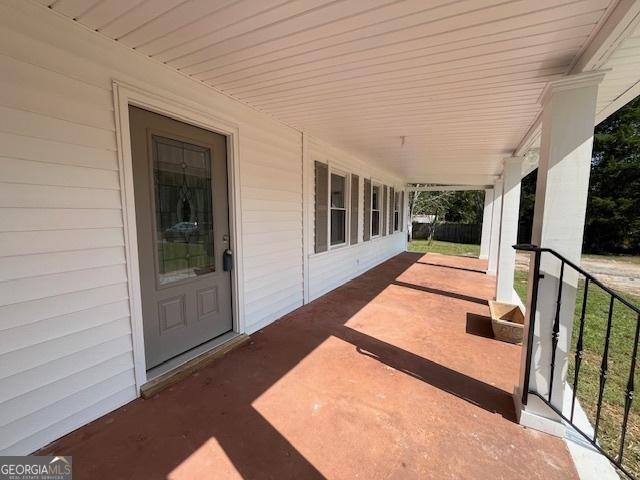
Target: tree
{"points": [[428, 203], [613, 208], [449, 206], [466, 207], [527, 203]]}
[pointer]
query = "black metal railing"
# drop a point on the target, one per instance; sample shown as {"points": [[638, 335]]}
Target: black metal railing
{"points": [[616, 457]]}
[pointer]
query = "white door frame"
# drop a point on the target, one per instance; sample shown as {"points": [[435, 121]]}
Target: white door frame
{"points": [[183, 110]]}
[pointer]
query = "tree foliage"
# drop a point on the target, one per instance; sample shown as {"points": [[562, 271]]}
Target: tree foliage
{"points": [[613, 209], [449, 206]]}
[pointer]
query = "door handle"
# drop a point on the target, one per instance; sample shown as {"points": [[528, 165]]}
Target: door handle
{"points": [[227, 260]]}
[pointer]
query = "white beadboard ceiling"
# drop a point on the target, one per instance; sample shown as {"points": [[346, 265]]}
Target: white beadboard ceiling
{"points": [[435, 90]]}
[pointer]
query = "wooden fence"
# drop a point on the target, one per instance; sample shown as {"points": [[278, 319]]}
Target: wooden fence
{"points": [[449, 232]]}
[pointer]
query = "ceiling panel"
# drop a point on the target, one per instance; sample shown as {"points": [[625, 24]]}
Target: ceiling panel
{"points": [[428, 88]]}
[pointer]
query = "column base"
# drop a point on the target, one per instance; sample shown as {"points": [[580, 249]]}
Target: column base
{"points": [[537, 415]]}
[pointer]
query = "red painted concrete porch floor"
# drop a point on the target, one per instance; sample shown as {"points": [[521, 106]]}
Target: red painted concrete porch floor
{"points": [[393, 375]]}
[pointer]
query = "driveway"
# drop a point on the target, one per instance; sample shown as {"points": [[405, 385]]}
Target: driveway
{"points": [[618, 273]]}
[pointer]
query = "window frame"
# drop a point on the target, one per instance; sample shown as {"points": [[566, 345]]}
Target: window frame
{"points": [[375, 185], [346, 208]]}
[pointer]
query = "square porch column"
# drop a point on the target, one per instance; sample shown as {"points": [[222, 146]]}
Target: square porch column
{"points": [[487, 214], [495, 228], [511, 177], [568, 119]]}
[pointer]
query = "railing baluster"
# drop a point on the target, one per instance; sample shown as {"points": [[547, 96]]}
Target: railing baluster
{"points": [[604, 369], [629, 391], [579, 346], [555, 333], [590, 280], [532, 321]]}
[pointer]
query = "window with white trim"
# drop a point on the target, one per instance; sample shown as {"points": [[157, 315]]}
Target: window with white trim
{"points": [[338, 206], [376, 201]]}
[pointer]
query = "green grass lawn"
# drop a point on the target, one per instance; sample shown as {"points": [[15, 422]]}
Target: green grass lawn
{"points": [[620, 349], [446, 248]]}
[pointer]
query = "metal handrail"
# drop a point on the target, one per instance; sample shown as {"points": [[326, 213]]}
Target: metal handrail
{"points": [[532, 248], [604, 366]]}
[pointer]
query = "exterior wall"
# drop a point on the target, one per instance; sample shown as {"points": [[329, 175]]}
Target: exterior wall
{"points": [[66, 354], [328, 270], [331, 269], [65, 327]]}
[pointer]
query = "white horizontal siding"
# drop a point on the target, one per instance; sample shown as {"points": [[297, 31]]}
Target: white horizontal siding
{"points": [[65, 329], [24, 219], [55, 284], [329, 271], [30, 266], [26, 195], [21, 314], [31, 334], [32, 242], [51, 174]]}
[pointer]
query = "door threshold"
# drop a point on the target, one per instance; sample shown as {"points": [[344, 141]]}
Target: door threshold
{"points": [[174, 370]]}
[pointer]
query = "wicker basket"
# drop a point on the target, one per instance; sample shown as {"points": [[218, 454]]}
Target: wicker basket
{"points": [[507, 321]]}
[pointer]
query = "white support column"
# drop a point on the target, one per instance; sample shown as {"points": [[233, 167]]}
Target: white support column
{"points": [[495, 228], [487, 214], [511, 176], [568, 120]]}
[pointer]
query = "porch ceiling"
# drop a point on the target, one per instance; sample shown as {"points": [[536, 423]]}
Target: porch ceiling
{"points": [[429, 89]]}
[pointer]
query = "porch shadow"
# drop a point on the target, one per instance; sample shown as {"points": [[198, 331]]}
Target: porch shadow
{"points": [[479, 325], [436, 291], [453, 267], [478, 393]]}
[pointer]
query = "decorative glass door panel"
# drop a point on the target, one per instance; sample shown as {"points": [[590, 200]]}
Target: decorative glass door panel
{"points": [[183, 210]]}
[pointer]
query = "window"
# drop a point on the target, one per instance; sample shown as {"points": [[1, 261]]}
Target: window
{"points": [[375, 211], [396, 212], [338, 209], [333, 200]]}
